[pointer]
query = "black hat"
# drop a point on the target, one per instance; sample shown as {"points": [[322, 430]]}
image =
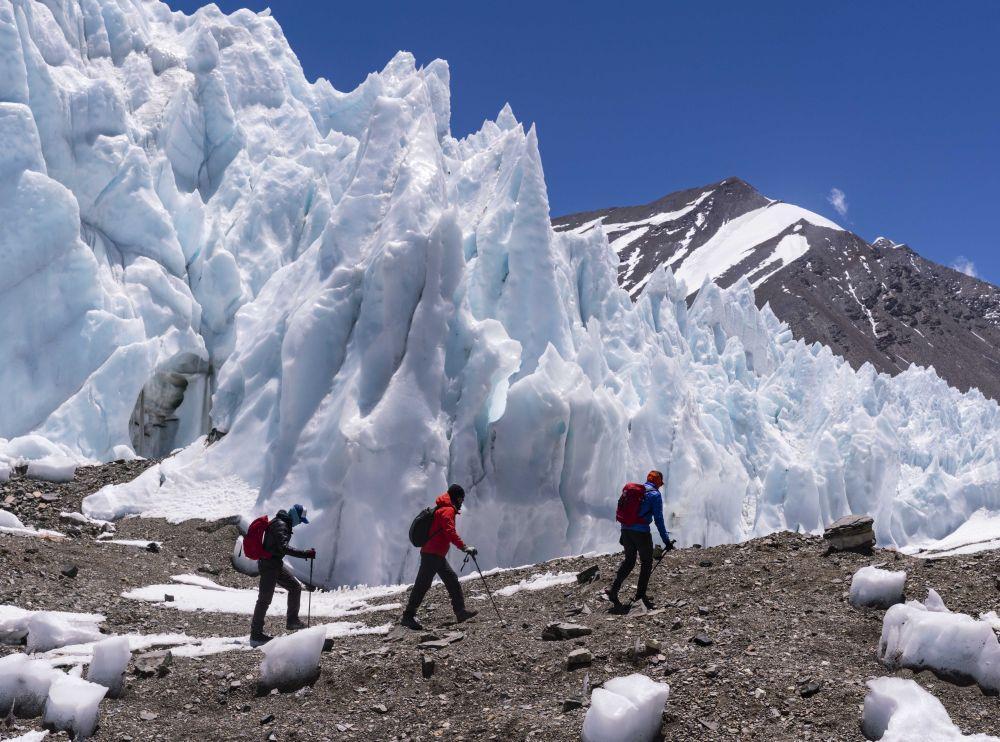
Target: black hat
{"points": [[456, 492]]}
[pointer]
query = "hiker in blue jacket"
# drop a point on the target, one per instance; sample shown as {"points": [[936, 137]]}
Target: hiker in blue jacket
{"points": [[638, 540]]}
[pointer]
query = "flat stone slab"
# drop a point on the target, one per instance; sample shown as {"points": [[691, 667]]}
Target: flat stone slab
{"points": [[559, 631], [849, 524], [445, 641]]}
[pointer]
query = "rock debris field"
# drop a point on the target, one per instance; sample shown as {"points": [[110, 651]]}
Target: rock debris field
{"points": [[756, 640]]}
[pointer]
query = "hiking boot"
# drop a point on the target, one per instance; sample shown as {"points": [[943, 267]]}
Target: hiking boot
{"points": [[465, 614], [650, 605], [411, 622], [613, 597], [257, 640], [295, 625]]}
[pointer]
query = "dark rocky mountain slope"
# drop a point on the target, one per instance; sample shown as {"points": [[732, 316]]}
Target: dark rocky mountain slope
{"points": [[876, 302]]}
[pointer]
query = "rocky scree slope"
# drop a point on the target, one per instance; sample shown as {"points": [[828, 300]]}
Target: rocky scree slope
{"points": [[787, 657], [878, 302]]}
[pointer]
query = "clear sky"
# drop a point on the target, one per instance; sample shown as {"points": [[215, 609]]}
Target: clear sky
{"points": [[894, 104]]}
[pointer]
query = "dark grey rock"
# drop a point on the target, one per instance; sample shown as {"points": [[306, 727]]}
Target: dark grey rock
{"points": [[587, 575], [558, 631]]}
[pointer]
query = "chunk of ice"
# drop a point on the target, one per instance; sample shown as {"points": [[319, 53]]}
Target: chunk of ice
{"points": [[899, 710], [24, 683], [108, 665], [955, 645], [626, 709], [872, 587], [73, 705], [292, 661]]}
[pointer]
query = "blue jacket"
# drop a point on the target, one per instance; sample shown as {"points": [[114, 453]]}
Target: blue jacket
{"points": [[650, 510]]}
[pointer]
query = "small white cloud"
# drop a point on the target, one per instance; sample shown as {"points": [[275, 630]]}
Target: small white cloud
{"points": [[838, 199], [963, 265]]}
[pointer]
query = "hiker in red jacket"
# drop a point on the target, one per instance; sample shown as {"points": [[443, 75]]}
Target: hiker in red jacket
{"points": [[433, 560]]}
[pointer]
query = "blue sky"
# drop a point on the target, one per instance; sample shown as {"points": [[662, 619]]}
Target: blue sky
{"points": [[894, 104]]}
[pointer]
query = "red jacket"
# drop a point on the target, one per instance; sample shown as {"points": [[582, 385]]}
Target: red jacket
{"points": [[443, 532]]}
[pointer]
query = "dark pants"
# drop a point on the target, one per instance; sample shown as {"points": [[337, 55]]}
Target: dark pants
{"points": [[430, 565], [273, 572], [635, 542]]}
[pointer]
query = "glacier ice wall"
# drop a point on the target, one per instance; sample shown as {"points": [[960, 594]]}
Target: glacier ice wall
{"points": [[376, 308]]}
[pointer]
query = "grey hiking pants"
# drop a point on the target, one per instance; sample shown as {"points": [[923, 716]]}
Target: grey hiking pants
{"points": [[430, 565], [273, 572], [635, 542]]}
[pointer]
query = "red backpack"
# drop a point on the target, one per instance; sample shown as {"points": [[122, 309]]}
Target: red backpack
{"points": [[629, 504], [253, 542]]}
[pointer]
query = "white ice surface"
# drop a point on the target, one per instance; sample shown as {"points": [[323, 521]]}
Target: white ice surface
{"points": [[293, 659], [108, 661], [52, 469], [899, 710], [373, 295], [538, 582], [74, 704], [24, 684], [47, 630], [29, 737], [138, 543], [625, 709], [195, 593], [928, 636], [872, 587]]}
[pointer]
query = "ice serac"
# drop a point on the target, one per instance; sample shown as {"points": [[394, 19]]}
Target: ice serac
{"points": [[369, 308]]}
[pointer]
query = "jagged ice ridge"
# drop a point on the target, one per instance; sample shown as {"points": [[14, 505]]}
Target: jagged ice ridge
{"points": [[196, 236]]}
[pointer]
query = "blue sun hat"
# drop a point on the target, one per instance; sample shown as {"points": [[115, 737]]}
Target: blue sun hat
{"points": [[298, 515]]}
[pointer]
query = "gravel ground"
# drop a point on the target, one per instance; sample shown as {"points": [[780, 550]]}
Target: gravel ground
{"points": [[774, 609]]}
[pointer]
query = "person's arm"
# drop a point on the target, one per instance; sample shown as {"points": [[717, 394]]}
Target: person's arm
{"points": [[282, 535], [448, 525], [658, 517]]}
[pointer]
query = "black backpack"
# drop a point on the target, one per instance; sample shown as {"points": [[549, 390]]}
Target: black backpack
{"points": [[420, 528]]}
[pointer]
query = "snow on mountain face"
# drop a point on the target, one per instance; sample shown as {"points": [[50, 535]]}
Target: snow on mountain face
{"points": [[373, 308], [879, 303]]}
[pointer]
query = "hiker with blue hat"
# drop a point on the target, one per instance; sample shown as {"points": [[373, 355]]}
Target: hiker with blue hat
{"points": [[272, 550]]}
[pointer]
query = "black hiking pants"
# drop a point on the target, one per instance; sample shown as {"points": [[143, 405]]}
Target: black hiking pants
{"points": [[430, 565], [272, 573], [635, 542]]}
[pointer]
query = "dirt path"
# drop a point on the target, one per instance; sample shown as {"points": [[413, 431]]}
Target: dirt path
{"points": [[774, 610]]}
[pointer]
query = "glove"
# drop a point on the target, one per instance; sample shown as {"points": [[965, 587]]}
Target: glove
{"points": [[471, 550], [310, 553], [669, 546]]}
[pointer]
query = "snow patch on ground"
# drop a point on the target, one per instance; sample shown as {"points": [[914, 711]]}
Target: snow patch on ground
{"points": [[538, 582], [195, 593]]}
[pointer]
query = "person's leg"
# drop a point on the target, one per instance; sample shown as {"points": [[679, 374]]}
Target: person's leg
{"points": [[268, 579], [425, 575], [627, 564], [644, 545], [287, 580], [451, 583]]}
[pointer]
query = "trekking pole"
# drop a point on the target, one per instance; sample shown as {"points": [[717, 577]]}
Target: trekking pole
{"points": [[312, 587], [486, 585]]}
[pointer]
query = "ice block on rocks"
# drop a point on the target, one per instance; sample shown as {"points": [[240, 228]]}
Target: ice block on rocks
{"points": [[73, 705], [107, 668], [626, 709], [291, 662], [872, 587]]}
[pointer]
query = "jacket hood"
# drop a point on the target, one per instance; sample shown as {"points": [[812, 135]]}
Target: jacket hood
{"points": [[444, 501], [283, 515]]}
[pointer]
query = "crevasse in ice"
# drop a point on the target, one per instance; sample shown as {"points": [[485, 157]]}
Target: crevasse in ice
{"points": [[195, 236]]}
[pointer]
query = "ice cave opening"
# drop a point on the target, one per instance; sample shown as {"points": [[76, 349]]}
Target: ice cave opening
{"points": [[173, 407]]}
